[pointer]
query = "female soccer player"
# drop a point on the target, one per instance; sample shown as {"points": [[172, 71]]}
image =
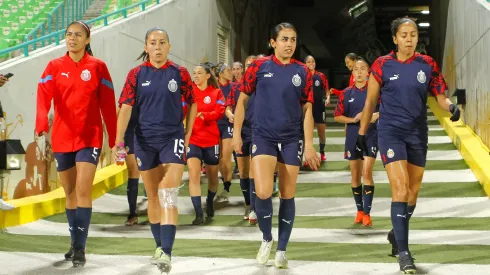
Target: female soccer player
{"points": [[320, 90], [154, 90], [81, 87], [350, 59], [204, 142], [237, 70], [133, 172], [349, 110], [224, 77], [283, 94], [403, 79]]}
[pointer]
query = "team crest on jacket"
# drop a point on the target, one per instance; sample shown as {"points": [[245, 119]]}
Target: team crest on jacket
{"points": [[86, 76], [296, 80], [172, 85], [207, 100], [317, 83], [421, 77]]}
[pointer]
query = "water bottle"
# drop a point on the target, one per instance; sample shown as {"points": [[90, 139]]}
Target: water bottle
{"points": [[121, 153]]}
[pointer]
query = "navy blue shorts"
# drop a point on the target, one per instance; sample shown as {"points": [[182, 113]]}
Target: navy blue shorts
{"points": [[225, 130], [351, 151], [150, 155], [410, 147], [290, 153], [319, 115], [246, 148], [208, 155], [65, 161], [129, 141]]}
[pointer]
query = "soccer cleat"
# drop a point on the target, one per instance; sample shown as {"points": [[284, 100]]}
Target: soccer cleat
{"points": [[252, 218], [203, 170], [247, 212], [132, 220], [264, 252], [394, 246], [406, 263], [155, 256], [366, 220], [69, 254], [323, 157], [281, 261], [223, 196], [359, 216], [198, 220], [235, 171], [209, 210], [163, 263], [79, 258]]}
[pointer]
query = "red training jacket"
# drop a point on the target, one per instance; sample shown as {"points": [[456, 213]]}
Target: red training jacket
{"points": [[81, 92], [211, 103]]}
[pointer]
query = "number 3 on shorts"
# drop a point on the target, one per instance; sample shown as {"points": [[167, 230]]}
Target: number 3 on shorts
{"points": [[179, 146], [300, 152]]}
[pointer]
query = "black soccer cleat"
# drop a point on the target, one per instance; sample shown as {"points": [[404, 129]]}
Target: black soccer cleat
{"points": [[79, 258], [210, 210], [406, 263], [394, 246], [69, 254], [198, 220]]}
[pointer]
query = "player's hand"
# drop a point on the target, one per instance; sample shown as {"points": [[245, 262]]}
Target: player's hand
{"points": [[3, 80], [358, 117], [454, 109], [361, 145], [374, 117], [231, 118], [200, 115], [312, 158], [237, 143], [327, 101]]}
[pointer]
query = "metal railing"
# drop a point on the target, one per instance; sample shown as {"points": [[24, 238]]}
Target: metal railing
{"points": [[57, 35]]}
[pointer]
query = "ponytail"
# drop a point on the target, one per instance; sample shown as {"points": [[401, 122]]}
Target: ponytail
{"points": [[212, 81], [88, 49]]}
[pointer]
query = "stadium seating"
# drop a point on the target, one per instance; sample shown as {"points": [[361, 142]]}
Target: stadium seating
{"points": [[19, 17]]}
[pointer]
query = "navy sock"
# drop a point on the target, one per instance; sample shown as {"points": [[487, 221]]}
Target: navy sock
{"points": [[227, 185], [252, 195], [368, 198], [287, 211], [82, 220], [167, 233], [263, 208], [357, 192], [210, 197], [245, 185], [410, 209], [155, 230], [322, 148], [132, 194], [400, 224], [72, 226], [196, 202]]}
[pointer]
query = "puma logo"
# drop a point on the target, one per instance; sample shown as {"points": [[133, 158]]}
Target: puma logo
{"points": [[269, 216], [66, 74]]}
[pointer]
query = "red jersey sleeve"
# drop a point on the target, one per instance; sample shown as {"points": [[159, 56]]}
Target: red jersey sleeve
{"points": [[232, 96], [186, 86], [45, 90], [324, 82], [219, 108], [184, 105], [307, 93], [107, 103], [352, 80], [339, 109], [337, 92], [437, 84], [128, 94], [250, 77], [377, 69]]}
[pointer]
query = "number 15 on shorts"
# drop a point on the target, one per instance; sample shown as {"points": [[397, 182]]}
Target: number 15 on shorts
{"points": [[179, 148]]}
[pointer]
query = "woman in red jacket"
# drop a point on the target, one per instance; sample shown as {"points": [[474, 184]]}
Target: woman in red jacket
{"points": [[204, 141], [81, 87]]}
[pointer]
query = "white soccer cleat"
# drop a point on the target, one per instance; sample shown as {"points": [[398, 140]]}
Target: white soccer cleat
{"points": [[281, 261], [264, 252], [163, 263], [155, 256], [223, 196], [252, 218]]}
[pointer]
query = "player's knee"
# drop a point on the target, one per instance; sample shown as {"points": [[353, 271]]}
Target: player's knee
{"points": [[168, 197]]}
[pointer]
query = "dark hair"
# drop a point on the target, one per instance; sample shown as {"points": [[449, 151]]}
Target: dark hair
{"points": [[395, 25], [308, 56], [352, 56], [363, 60], [219, 68], [238, 63], [144, 55], [279, 27], [88, 49], [208, 67]]}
